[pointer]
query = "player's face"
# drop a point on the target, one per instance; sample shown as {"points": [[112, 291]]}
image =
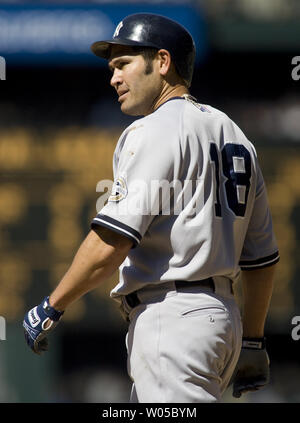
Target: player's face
{"points": [[138, 87]]}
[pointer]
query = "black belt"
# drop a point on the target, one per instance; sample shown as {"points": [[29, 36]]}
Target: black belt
{"points": [[133, 300]]}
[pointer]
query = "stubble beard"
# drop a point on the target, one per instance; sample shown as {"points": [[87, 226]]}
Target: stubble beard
{"points": [[140, 109]]}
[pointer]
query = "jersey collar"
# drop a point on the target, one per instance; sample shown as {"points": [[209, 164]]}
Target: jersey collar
{"points": [[183, 97]]}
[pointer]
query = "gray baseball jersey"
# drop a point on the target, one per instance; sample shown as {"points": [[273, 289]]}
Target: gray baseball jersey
{"points": [[189, 193]]}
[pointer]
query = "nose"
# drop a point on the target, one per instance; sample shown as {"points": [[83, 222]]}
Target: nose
{"points": [[116, 79]]}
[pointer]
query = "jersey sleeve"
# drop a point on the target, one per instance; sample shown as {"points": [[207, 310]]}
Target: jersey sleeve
{"points": [[145, 163], [260, 247]]}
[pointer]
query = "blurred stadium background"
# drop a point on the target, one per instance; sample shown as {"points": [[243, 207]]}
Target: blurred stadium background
{"points": [[59, 123]]}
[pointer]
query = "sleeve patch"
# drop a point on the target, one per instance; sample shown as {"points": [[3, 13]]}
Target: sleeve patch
{"points": [[119, 190]]}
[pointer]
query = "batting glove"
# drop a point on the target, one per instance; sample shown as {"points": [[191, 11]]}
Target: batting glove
{"points": [[34, 324], [252, 370]]}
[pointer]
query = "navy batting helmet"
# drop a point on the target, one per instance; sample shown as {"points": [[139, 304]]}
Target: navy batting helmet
{"points": [[156, 31]]}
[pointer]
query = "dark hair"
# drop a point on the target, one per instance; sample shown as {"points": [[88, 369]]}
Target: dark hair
{"points": [[148, 54]]}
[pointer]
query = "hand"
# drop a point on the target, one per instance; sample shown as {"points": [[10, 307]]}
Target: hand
{"points": [[252, 370], [37, 323]]}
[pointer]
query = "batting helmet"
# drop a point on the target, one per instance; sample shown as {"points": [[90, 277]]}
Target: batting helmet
{"points": [[156, 31]]}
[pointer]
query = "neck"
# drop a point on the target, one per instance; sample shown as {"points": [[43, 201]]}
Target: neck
{"points": [[167, 93]]}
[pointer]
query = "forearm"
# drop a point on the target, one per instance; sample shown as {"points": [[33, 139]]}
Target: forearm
{"points": [[95, 261], [257, 292]]}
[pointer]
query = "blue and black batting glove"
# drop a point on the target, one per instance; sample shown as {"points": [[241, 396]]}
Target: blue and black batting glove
{"points": [[35, 322]]}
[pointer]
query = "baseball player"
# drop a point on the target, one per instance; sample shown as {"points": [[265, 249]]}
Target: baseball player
{"points": [[187, 214]]}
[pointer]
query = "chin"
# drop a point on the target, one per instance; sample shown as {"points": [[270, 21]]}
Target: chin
{"points": [[134, 110]]}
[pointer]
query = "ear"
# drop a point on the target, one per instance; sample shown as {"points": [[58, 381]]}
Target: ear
{"points": [[164, 59]]}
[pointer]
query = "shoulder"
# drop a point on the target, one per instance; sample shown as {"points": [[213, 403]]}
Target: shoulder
{"points": [[160, 129], [214, 122], [201, 113], [166, 118]]}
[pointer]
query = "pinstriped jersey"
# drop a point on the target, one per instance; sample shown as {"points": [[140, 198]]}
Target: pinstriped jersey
{"points": [[188, 191]]}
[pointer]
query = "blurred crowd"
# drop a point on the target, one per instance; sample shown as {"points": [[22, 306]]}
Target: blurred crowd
{"points": [[249, 9]]}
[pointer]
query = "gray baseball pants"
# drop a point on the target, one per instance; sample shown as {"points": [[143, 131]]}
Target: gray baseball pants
{"points": [[183, 346]]}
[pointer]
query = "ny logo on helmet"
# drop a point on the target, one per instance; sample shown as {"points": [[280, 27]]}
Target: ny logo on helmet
{"points": [[116, 33]]}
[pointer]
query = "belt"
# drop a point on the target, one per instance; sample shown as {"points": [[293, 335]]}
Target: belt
{"points": [[133, 300]]}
